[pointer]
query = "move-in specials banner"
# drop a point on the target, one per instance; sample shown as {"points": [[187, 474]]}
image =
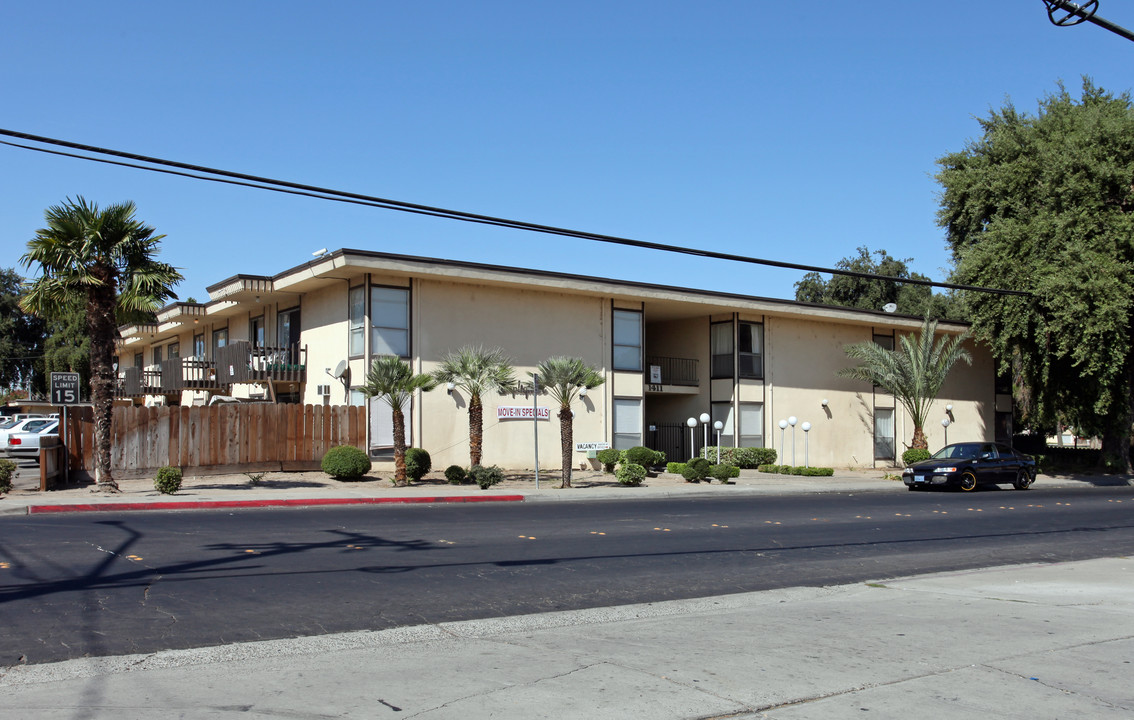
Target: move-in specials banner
{"points": [[522, 413]]}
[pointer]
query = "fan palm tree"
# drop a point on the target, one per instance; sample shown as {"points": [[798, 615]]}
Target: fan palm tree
{"points": [[395, 382], [99, 262], [914, 373], [476, 370], [564, 377]]}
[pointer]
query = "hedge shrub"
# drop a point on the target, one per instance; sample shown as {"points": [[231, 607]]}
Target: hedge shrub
{"points": [[914, 455], [798, 470], [630, 474], [345, 461], [7, 470], [486, 477], [639, 455], [609, 458], [696, 470], [744, 457], [418, 463], [168, 480], [724, 472], [675, 468], [455, 474]]}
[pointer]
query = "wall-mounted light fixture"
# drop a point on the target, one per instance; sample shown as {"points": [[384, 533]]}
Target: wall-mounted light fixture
{"points": [[583, 391], [451, 386], [824, 402]]}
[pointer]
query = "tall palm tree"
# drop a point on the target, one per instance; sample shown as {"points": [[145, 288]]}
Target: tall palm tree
{"points": [[476, 370], [563, 377], [395, 382], [914, 373], [100, 262]]}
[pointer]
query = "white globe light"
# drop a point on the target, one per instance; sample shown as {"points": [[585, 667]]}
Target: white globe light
{"points": [[806, 426], [582, 392], [718, 425], [945, 422], [783, 424], [705, 417], [792, 421], [691, 422]]}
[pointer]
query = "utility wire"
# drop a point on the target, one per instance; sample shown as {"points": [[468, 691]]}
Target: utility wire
{"points": [[200, 172]]}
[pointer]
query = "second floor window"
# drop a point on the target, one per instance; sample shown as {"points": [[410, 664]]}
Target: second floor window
{"points": [[199, 346], [720, 341], [157, 356], [627, 340], [357, 320], [389, 317], [750, 350], [256, 331], [220, 339]]}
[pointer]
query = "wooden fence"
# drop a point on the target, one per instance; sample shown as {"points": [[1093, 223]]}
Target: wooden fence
{"points": [[215, 439]]}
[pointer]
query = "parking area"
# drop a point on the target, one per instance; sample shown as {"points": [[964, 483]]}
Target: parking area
{"points": [[27, 474]]}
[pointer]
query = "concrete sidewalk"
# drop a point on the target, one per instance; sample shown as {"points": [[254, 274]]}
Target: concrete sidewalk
{"points": [[1032, 641], [311, 489]]}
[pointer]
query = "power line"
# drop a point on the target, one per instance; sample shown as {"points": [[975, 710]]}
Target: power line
{"points": [[200, 172]]}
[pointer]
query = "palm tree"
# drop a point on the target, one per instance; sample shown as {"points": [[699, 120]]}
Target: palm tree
{"points": [[476, 370], [395, 382], [564, 377], [99, 262], [914, 373]]}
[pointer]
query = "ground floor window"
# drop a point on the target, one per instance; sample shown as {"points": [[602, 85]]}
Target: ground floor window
{"points": [[751, 424], [382, 427], [722, 413], [627, 423], [884, 445]]}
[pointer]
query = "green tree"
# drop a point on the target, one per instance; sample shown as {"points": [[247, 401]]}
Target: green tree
{"points": [[21, 336], [1045, 203], [475, 371], [395, 382], [67, 347], [874, 293], [913, 373], [100, 262], [563, 378]]}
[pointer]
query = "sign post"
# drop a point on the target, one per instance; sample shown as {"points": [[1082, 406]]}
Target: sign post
{"points": [[65, 391], [535, 423]]}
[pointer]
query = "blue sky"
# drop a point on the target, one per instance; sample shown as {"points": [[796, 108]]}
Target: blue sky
{"points": [[790, 131]]}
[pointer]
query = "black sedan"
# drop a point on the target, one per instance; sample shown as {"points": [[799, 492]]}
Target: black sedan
{"points": [[967, 465]]}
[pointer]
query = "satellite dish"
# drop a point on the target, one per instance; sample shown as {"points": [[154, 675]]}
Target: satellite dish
{"points": [[890, 307], [340, 369]]}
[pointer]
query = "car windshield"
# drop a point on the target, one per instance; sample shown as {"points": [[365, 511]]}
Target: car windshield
{"points": [[7, 424], [960, 451]]}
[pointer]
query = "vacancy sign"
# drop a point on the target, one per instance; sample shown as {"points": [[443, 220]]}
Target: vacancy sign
{"points": [[515, 412]]}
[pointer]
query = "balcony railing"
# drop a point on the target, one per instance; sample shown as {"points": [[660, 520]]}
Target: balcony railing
{"points": [[671, 371], [187, 373], [136, 382], [240, 362]]}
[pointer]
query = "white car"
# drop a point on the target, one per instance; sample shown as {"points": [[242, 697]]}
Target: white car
{"points": [[26, 444], [29, 425]]}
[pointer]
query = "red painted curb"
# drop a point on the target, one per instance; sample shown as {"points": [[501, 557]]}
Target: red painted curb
{"points": [[216, 504]]}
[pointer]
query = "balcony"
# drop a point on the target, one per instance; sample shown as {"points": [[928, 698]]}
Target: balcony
{"points": [[240, 362], [187, 373], [135, 382], [671, 371]]}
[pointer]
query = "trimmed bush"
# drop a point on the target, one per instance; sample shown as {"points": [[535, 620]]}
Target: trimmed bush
{"points": [[7, 470], [630, 474], [675, 468], [345, 461], [744, 457], [418, 463], [168, 480], [455, 474], [486, 477], [914, 455], [696, 470], [639, 455], [609, 458], [724, 472]]}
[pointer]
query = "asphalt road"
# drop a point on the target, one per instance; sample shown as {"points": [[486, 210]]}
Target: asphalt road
{"points": [[76, 585]]}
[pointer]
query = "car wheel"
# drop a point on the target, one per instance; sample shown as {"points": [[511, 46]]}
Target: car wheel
{"points": [[968, 482], [1023, 480]]}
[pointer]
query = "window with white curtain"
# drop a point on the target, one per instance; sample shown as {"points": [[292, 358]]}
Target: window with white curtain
{"points": [[382, 426], [627, 340], [627, 423], [751, 424], [721, 347], [884, 445], [389, 317], [721, 412]]}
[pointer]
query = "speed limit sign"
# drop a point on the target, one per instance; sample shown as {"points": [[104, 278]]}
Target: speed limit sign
{"points": [[64, 388]]}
